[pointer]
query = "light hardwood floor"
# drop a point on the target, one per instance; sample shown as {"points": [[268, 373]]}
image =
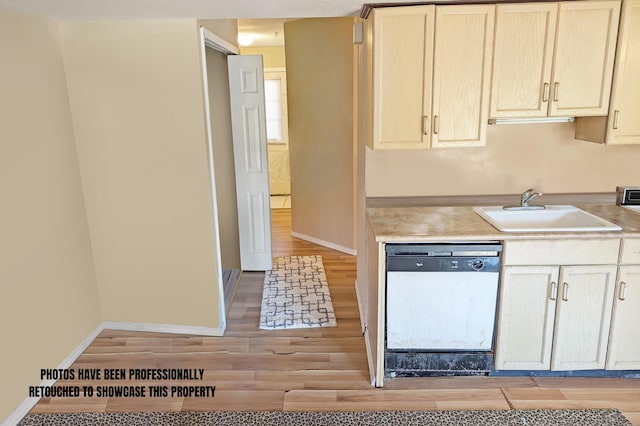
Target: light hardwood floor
{"points": [[314, 369]]}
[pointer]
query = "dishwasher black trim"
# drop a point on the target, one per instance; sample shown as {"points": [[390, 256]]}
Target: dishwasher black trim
{"points": [[438, 249], [419, 263], [433, 364]]}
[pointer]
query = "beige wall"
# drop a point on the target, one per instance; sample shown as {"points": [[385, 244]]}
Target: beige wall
{"points": [[48, 297], [222, 140], [226, 29], [136, 96], [320, 92], [272, 56], [516, 157]]}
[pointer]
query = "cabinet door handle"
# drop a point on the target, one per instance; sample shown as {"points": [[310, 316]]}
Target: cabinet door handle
{"points": [[436, 124], [565, 291], [554, 290], [425, 125], [616, 119], [545, 92], [556, 89], [623, 291]]}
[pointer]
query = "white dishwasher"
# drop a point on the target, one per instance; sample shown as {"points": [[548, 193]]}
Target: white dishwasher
{"points": [[441, 306]]}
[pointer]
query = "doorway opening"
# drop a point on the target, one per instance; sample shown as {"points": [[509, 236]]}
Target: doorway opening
{"points": [[266, 37], [221, 166], [319, 60], [321, 138], [234, 105]]}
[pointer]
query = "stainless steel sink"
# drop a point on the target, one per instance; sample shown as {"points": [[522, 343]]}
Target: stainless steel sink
{"points": [[551, 219]]}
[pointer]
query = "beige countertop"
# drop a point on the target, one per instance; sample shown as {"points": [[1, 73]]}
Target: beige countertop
{"points": [[461, 223]]}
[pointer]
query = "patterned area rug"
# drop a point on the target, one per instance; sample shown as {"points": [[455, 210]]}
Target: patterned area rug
{"points": [[296, 295], [379, 418]]}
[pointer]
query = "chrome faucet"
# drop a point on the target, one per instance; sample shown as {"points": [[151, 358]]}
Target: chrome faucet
{"points": [[527, 196]]}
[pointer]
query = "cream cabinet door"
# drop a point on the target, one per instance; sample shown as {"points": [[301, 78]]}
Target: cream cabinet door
{"points": [[523, 53], [624, 125], [402, 67], [526, 317], [624, 340], [583, 317], [461, 75], [583, 64]]}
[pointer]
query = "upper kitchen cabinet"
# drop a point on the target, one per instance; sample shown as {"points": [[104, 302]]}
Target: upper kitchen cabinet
{"points": [[523, 55], [622, 125], [431, 68], [402, 67], [461, 75], [554, 59], [583, 63]]}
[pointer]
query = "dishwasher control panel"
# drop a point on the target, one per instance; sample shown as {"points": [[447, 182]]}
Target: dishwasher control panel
{"points": [[463, 257], [443, 264]]}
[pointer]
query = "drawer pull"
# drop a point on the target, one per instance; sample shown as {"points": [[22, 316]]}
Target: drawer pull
{"points": [[436, 124], [565, 291], [545, 92], [425, 125], [554, 290], [623, 291]]}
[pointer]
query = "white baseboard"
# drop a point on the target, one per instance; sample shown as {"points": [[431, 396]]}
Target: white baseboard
{"points": [[26, 405], [163, 328], [372, 367], [347, 250], [360, 308], [367, 342]]}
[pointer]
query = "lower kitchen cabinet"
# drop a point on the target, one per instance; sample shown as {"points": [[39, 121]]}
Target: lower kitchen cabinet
{"points": [[583, 317], [624, 341], [526, 317], [553, 317]]}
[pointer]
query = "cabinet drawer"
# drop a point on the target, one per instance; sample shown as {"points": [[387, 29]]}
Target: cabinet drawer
{"points": [[630, 250], [563, 252]]}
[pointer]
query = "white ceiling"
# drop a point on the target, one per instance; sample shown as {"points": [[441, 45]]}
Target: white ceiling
{"points": [[267, 32], [204, 9]]}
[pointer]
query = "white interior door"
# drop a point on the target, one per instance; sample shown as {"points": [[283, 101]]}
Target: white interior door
{"points": [[246, 85]]}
